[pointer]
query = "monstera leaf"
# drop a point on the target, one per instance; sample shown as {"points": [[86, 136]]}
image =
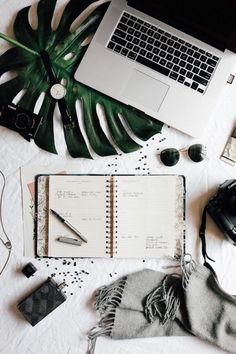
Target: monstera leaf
{"points": [[66, 49]]}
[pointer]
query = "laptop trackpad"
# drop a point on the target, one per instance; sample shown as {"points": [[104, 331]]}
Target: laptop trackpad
{"points": [[145, 90]]}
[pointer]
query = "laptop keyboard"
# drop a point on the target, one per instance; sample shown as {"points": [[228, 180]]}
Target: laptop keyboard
{"points": [[163, 52]]}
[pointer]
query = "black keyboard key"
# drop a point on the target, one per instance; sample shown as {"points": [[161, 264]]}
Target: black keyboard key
{"points": [[195, 70], [117, 48], [169, 57], [197, 63], [129, 45], [210, 69], [177, 53], [181, 41], [195, 48], [140, 21], [111, 45], [203, 58], [133, 18], [163, 39], [129, 38], [190, 60], [211, 62], [163, 62], [137, 26], [187, 83], [189, 75], [160, 31], [183, 56], [173, 75], [153, 28], [205, 74], [162, 54], [188, 45], [119, 33], [151, 40], [125, 14], [157, 35], [167, 34], [202, 51], [176, 45], [142, 44], [200, 90], [175, 60], [122, 27], [156, 58], [157, 44], [194, 85], [209, 55], [144, 29], [143, 52], [182, 63], [196, 55], [170, 50], [136, 49], [130, 23], [150, 32], [164, 46], [200, 80], [130, 31], [170, 42], [147, 24], [169, 65], [132, 55], [203, 66], [149, 55], [174, 38], [156, 50], [215, 58], [124, 19], [190, 52], [136, 40], [176, 68], [118, 40], [183, 48], [137, 34], [189, 67], [153, 65], [124, 51], [144, 37], [149, 47], [181, 79], [183, 71]]}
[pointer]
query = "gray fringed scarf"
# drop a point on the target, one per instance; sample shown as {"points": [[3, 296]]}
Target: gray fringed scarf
{"points": [[150, 303]]}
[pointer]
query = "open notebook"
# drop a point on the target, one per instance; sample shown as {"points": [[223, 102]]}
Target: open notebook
{"points": [[121, 216]]}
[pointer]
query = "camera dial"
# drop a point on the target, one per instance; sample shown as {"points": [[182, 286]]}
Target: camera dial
{"points": [[23, 121]]}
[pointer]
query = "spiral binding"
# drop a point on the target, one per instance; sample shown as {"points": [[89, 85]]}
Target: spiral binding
{"points": [[108, 216], [111, 216]]}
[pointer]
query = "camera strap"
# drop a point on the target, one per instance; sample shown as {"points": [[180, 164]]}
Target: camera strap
{"points": [[202, 236]]}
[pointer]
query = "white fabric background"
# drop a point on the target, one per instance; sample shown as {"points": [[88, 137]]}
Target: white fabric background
{"points": [[64, 331]]}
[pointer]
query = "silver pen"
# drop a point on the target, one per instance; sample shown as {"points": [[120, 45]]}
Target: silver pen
{"points": [[71, 241], [71, 227]]}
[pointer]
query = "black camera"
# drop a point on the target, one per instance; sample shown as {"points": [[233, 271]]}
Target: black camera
{"points": [[222, 208], [20, 120]]}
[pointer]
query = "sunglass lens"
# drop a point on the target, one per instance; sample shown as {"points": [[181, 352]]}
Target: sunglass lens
{"points": [[197, 152], [169, 157]]}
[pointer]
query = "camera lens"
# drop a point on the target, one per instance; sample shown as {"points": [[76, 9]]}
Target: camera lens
{"points": [[23, 121]]}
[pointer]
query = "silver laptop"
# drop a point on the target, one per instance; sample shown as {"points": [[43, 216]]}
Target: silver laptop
{"points": [[170, 59]]}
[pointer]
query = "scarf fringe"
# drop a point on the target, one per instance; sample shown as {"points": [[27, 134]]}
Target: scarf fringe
{"points": [[107, 299], [164, 301]]}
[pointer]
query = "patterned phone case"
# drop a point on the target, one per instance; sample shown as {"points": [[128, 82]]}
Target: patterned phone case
{"points": [[41, 302]]}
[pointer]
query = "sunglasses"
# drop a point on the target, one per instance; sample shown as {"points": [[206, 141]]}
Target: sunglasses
{"points": [[171, 156]]}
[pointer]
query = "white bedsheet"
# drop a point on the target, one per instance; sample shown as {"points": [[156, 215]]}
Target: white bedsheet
{"points": [[65, 330]]}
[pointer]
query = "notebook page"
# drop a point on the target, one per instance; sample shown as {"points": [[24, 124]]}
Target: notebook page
{"points": [[81, 200], [146, 215]]}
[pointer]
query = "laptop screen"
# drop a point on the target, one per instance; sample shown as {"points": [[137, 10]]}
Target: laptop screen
{"points": [[212, 21]]}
